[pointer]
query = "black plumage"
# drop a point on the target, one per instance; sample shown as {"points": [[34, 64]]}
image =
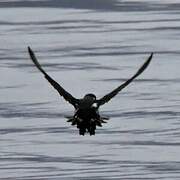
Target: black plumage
{"points": [[86, 115]]}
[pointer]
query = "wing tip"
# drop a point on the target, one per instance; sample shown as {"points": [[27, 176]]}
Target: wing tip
{"points": [[152, 54], [149, 58], [30, 50]]}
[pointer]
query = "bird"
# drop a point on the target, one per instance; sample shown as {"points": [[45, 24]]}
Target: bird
{"points": [[86, 116]]}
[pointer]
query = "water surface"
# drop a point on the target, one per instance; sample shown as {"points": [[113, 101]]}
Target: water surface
{"points": [[90, 46]]}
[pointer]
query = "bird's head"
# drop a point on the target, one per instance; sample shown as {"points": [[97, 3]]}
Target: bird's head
{"points": [[90, 96], [90, 100]]}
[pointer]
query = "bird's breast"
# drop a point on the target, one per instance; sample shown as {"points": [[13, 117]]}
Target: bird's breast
{"points": [[85, 104]]}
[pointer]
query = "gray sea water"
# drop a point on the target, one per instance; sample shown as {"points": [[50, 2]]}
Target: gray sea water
{"points": [[90, 46]]}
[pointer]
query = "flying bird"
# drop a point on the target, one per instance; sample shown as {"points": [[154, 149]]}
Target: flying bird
{"points": [[86, 116]]}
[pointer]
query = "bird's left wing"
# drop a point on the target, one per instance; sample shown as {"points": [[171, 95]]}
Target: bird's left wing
{"points": [[109, 96], [67, 96]]}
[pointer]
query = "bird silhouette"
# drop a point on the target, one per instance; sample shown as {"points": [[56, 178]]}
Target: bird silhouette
{"points": [[86, 116]]}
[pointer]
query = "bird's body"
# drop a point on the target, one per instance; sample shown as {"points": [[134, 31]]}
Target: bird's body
{"points": [[86, 116]]}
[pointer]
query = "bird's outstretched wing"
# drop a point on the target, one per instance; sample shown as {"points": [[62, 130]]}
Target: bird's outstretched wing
{"points": [[68, 97], [109, 96]]}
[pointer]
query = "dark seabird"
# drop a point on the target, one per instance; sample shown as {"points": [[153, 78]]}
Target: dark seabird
{"points": [[86, 116]]}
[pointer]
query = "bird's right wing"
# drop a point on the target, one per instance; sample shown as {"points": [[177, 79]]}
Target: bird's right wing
{"points": [[67, 96], [110, 95]]}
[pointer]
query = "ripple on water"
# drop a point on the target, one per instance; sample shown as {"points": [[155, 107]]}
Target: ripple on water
{"points": [[97, 40]]}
